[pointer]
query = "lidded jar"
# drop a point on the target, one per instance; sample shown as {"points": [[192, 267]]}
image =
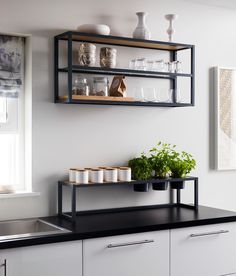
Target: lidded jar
{"points": [[100, 86], [80, 86]]}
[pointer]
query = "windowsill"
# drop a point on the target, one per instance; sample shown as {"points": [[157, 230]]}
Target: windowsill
{"points": [[19, 194]]}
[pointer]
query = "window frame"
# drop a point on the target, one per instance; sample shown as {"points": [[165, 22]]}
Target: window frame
{"points": [[25, 118]]}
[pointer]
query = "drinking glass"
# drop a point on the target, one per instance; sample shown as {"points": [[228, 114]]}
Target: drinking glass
{"points": [[178, 67], [171, 67], [150, 65], [159, 65], [132, 64], [141, 64], [150, 94], [165, 95], [139, 94]]}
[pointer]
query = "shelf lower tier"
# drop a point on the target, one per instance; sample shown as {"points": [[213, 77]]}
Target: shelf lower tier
{"points": [[119, 101]]}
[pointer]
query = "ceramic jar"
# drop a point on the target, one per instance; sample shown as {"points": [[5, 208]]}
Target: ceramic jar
{"points": [[81, 176], [96, 175], [110, 175], [72, 175], [108, 57], [87, 54], [124, 174]]}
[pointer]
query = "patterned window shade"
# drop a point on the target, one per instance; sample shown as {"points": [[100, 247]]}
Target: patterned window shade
{"points": [[11, 65]]}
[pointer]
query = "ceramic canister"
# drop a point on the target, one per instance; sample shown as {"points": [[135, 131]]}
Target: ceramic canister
{"points": [[111, 175], [124, 174], [96, 175], [72, 173], [89, 173], [82, 176]]}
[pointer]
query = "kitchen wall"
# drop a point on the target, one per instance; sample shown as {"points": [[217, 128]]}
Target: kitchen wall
{"points": [[68, 136]]}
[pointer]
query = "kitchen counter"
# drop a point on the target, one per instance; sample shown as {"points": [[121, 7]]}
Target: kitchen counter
{"points": [[126, 222]]}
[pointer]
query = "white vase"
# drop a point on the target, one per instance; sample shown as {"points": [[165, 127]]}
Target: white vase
{"points": [[170, 31], [141, 30]]}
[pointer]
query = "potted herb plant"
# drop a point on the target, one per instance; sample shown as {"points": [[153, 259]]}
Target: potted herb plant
{"points": [[141, 170], [180, 165], [160, 161]]}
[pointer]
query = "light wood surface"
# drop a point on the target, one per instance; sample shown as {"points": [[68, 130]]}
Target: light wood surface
{"points": [[99, 98]]}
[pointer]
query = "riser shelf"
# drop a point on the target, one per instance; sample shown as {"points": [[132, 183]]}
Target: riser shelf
{"points": [[74, 187]]}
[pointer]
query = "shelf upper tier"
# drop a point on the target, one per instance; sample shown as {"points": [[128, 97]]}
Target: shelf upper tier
{"points": [[132, 182], [123, 41]]}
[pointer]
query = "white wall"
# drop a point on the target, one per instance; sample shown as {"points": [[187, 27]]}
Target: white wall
{"points": [[66, 136]]}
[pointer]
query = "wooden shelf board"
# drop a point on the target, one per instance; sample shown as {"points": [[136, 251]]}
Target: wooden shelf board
{"points": [[98, 98], [117, 101]]}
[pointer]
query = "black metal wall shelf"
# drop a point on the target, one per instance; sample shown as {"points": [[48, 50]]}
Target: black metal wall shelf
{"points": [[172, 48], [74, 187]]}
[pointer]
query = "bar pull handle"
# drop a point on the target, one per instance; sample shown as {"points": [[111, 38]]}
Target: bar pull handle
{"points": [[129, 243], [209, 233], [4, 265]]}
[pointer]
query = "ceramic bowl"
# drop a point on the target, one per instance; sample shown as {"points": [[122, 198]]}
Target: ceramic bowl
{"points": [[94, 29]]}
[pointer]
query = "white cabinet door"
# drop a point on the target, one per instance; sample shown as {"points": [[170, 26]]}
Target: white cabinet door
{"points": [[144, 254], [58, 259], [204, 251]]}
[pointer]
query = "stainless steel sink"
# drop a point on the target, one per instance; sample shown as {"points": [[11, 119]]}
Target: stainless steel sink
{"points": [[14, 229]]}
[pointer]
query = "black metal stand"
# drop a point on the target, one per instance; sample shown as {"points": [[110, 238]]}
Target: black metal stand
{"points": [[173, 203]]}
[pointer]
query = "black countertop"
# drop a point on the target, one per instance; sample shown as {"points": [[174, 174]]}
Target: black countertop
{"points": [[126, 222]]}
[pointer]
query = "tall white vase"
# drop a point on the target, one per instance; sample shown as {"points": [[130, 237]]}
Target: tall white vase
{"points": [[170, 31], [141, 30]]}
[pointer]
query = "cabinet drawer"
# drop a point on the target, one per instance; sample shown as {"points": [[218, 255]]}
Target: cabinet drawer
{"points": [[204, 251], [126, 255], [59, 259]]}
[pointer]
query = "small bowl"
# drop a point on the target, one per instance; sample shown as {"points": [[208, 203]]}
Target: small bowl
{"points": [[94, 29]]}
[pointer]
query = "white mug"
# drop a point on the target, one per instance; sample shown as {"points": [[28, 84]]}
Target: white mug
{"points": [[81, 177], [96, 175], [111, 175], [72, 175], [124, 174]]}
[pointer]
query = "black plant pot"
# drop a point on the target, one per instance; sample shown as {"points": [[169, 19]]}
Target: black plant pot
{"points": [[141, 187], [161, 186], [177, 185]]}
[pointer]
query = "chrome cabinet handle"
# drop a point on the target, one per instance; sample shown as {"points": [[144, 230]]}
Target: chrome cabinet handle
{"points": [[129, 243], [5, 267], [209, 233]]}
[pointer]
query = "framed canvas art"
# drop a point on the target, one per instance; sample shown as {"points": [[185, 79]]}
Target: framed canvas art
{"points": [[225, 105]]}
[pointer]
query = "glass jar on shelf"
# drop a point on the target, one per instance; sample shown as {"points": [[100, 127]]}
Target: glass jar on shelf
{"points": [[100, 86], [80, 86]]}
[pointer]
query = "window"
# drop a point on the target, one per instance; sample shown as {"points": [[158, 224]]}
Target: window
{"points": [[12, 113]]}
